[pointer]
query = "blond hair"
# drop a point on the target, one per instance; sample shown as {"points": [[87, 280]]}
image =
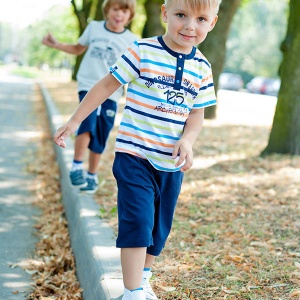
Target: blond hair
{"points": [[198, 4], [124, 4]]}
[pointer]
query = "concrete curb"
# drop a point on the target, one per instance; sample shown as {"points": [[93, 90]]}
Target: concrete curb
{"points": [[97, 259]]}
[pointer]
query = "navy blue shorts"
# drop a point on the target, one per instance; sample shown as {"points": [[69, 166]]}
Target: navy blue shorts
{"points": [[99, 124], [146, 202]]}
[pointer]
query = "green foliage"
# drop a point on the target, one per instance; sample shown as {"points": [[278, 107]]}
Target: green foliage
{"points": [[6, 34], [62, 24], [253, 47], [25, 72], [139, 21], [104, 214]]}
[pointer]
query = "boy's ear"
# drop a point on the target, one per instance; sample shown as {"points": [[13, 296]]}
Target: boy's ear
{"points": [[164, 13], [213, 23]]}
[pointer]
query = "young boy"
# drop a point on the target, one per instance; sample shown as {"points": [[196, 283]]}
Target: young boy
{"points": [[170, 83], [104, 41]]}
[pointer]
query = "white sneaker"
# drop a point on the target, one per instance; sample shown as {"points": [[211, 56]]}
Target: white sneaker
{"points": [[149, 293], [135, 295]]}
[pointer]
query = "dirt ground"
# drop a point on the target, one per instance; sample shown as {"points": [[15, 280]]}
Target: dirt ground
{"points": [[236, 228]]}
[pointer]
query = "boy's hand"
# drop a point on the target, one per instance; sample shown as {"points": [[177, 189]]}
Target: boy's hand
{"points": [[49, 40], [64, 132], [185, 151]]}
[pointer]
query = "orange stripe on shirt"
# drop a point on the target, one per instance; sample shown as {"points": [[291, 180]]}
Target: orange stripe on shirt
{"points": [[194, 84], [206, 78], [156, 72], [145, 140], [140, 103], [134, 54], [149, 106]]}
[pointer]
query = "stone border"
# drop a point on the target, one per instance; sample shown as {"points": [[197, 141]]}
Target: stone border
{"points": [[98, 266]]}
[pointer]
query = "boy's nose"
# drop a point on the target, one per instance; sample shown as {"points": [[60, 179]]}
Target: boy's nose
{"points": [[190, 25]]}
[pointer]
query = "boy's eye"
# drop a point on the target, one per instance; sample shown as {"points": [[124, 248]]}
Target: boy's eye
{"points": [[180, 15], [201, 19]]}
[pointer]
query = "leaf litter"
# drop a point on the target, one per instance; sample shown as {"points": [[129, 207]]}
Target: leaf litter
{"points": [[236, 227], [53, 267]]}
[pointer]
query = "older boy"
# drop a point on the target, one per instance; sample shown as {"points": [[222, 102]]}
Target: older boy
{"points": [[104, 42], [170, 83]]}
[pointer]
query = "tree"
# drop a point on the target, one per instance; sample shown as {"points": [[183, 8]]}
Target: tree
{"points": [[86, 10], [257, 25], [63, 29], [214, 47], [285, 133], [153, 25]]}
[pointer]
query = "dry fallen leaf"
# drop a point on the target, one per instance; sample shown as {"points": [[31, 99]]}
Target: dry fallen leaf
{"points": [[295, 293], [232, 200], [167, 288], [297, 264], [53, 269], [235, 258]]}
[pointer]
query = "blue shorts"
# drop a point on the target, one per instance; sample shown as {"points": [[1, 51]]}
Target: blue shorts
{"points": [[99, 124], [146, 202]]}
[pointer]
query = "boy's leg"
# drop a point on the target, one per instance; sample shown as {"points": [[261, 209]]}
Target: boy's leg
{"points": [[135, 214], [149, 261], [94, 160], [76, 174], [83, 135], [147, 274], [82, 141], [133, 260], [92, 173], [81, 144], [165, 203], [104, 122]]}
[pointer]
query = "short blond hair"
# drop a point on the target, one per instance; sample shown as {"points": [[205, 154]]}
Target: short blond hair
{"points": [[197, 4], [127, 4]]}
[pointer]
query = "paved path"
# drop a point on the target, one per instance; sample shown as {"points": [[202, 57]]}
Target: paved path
{"points": [[17, 240], [92, 240]]}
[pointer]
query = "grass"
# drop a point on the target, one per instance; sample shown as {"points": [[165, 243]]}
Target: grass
{"points": [[236, 227]]}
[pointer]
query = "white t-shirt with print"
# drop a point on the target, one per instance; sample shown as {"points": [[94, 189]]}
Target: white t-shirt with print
{"points": [[104, 48]]}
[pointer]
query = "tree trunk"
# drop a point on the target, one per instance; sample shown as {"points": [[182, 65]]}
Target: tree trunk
{"points": [[83, 13], [214, 47], [285, 133], [98, 14], [153, 25]]}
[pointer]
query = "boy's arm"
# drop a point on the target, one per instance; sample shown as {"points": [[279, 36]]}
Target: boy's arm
{"points": [[101, 91], [184, 147], [50, 41]]}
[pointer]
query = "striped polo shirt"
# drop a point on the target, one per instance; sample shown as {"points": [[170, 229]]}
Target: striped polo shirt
{"points": [[163, 87]]}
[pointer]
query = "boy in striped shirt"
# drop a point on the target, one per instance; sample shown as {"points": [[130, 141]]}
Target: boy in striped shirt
{"points": [[170, 84]]}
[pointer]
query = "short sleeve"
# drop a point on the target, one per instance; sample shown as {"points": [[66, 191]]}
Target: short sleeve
{"points": [[127, 67], [206, 96], [84, 39]]}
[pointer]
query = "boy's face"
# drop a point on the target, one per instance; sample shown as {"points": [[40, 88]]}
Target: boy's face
{"points": [[117, 18], [187, 27]]}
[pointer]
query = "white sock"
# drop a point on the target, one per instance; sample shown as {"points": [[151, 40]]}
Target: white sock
{"points": [[76, 165], [92, 176]]}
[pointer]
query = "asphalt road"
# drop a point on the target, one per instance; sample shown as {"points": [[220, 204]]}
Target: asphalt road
{"points": [[17, 213]]}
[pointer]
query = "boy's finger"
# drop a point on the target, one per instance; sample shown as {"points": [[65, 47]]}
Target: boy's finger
{"points": [[62, 144], [188, 164], [175, 151], [181, 159]]}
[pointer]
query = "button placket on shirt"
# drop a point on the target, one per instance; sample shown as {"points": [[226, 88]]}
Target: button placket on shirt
{"points": [[179, 72]]}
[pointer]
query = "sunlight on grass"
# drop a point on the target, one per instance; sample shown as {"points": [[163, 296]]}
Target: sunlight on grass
{"points": [[236, 228]]}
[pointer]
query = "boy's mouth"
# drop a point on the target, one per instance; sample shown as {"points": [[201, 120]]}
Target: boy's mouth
{"points": [[187, 37]]}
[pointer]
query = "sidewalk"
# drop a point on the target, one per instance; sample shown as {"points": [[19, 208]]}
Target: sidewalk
{"points": [[92, 240], [17, 211]]}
